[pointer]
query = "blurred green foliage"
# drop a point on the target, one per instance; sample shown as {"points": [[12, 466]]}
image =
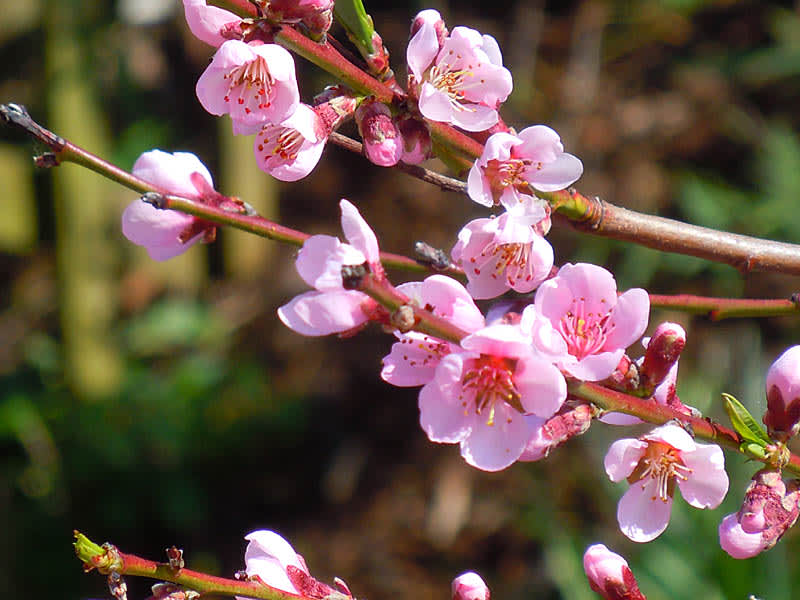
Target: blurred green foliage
{"points": [[219, 421]]}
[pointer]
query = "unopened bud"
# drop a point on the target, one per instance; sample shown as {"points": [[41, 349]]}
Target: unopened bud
{"points": [[769, 508], [316, 15], [430, 17], [568, 422], [783, 396], [609, 574], [383, 144], [663, 351], [417, 146], [470, 586]]}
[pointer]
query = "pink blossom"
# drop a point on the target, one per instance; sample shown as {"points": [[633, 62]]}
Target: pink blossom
{"points": [[256, 85], [166, 233], [503, 253], [481, 396], [206, 22], [653, 465], [782, 417], [769, 509], [609, 574], [415, 356], [331, 308], [271, 560], [383, 144], [291, 150], [469, 586], [511, 163], [461, 83], [586, 327], [432, 19]]}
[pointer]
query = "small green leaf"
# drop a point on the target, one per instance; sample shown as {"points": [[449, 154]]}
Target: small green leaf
{"points": [[744, 423], [358, 24], [753, 449]]}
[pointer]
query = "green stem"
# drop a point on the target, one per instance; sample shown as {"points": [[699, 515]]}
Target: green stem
{"points": [[107, 559]]}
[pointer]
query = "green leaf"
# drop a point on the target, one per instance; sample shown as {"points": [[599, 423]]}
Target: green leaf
{"points": [[744, 423], [358, 24]]}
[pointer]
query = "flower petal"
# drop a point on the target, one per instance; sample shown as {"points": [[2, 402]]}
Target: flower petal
{"points": [[641, 515], [324, 313]]}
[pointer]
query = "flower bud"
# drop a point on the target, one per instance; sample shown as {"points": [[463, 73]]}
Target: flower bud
{"points": [[769, 508], [663, 351], [469, 586], [316, 15], [783, 396], [567, 423], [417, 145], [609, 574], [383, 144]]}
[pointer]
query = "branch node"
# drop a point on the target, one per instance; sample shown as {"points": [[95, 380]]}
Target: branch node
{"points": [[156, 199], [432, 257]]}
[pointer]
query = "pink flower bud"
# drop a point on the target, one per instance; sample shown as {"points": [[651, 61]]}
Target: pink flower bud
{"points": [[432, 19], [769, 508], [663, 351], [417, 146], [316, 15], [609, 574], [567, 423], [783, 396], [383, 144], [469, 586]]}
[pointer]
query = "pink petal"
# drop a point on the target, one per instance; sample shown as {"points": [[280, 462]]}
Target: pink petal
{"points": [[422, 49], [358, 233], [539, 143], [157, 230], [558, 174], [413, 360], [629, 318], [434, 104], [538, 445], [319, 262], [708, 482], [594, 367], [440, 412], [541, 385], [451, 300], [478, 187], [474, 117], [171, 172], [492, 49], [622, 458], [324, 313], [498, 340], [736, 542], [494, 447], [206, 21], [268, 555], [641, 515], [673, 435]]}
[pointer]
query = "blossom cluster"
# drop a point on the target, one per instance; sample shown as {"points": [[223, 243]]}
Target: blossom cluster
{"points": [[495, 382]]}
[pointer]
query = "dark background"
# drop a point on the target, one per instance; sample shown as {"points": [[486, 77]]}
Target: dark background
{"points": [[157, 404]]}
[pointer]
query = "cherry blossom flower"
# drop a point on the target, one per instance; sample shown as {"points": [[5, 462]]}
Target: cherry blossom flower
{"points": [[586, 327], [469, 586], [207, 22], [255, 84], [782, 417], [331, 308], [291, 150], [510, 163], [503, 253], [415, 356], [167, 233], [271, 560], [481, 396], [769, 509], [383, 144], [653, 465], [609, 574], [461, 83]]}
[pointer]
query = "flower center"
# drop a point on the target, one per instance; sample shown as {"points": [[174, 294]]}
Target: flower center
{"points": [[510, 260], [486, 381], [283, 143], [584, 332], [662, 463], [451, 81], [510, 173], [250, 85]]}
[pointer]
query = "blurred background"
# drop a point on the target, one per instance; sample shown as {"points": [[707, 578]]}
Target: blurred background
{"points": [[155, 404]]}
